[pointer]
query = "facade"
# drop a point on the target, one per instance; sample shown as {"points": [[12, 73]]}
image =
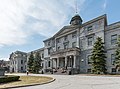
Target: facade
{"points": [[5, 65], [69, 50], [71, 47], [41, 53], [18, 61]]}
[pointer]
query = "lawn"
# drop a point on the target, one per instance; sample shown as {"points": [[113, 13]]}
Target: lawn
{"points": [[27, 80]]}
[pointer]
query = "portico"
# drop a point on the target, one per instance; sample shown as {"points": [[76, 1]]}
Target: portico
{"points": [[66, 59]]}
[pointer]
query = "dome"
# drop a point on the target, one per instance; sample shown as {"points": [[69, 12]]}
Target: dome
{"points": [[76, 20]]}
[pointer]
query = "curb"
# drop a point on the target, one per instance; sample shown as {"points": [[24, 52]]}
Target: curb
{"points": [[30, 84]]}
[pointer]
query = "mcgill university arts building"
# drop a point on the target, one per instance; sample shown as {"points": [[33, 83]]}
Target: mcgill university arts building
{"points": [[70, 48]]}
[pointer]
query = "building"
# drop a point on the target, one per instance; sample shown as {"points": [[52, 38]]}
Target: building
{"points": [[71, 47], [69, 50], [5, 64], [41, 53], [18, 61]]}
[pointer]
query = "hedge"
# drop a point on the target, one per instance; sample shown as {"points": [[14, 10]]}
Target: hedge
{"points": [[9, 79]]}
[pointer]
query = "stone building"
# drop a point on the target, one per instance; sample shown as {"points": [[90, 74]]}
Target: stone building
{"points": [[71, 47], [18, 61], [41, 53]]}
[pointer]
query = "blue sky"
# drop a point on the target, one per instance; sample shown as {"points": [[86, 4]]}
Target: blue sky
{"points": [[24, 24]]}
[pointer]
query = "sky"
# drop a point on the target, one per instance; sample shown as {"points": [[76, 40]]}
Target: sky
{"points": [[24, 24]]}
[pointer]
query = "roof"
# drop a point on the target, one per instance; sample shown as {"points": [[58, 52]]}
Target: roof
{"points": [[75, 18], [41, 49], [113, 25], [76, 26]]}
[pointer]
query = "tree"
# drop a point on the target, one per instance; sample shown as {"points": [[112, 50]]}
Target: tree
{"points": [[117, 55], [30, 63], [98, 57], [37, 63]]}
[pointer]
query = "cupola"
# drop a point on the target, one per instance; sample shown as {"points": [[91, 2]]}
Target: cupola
{"points": [[76, 20]]}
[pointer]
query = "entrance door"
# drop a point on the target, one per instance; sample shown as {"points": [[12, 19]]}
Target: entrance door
{"points": [[62, 62]]}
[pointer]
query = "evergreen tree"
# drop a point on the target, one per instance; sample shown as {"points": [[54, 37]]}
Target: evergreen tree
{"points": [[30, 63], [98, 57], [37, 63], [117, 54]]}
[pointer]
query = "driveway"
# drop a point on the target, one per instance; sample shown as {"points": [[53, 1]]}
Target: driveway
{"points": [[79, 82]]}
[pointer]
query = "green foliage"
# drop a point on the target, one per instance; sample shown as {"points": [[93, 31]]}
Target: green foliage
{"points": [[117, 54], [30, 62], [98, 57], [34, 63], [6, 79], [37, 63]]}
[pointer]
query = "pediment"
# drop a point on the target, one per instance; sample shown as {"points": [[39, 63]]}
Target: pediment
{"points": [[64, 30]]}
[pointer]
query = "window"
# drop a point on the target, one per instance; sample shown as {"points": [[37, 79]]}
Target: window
{"points": [[65, 45], [25, 66], [58, 47], [74, 44], [48, 43], [21, 68], [112, 59], [90, 41], [89, 70], [89, 59], [74, 35], [42, 55], [113, 70], [48, 51], [65, 38], [48, 63], [58, 40], [89, 29], [113, 39], [21, 61]]}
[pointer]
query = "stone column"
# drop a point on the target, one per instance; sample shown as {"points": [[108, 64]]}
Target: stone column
{"points": [[74, 65], [57, 62], [66, 62], [77, 44]]}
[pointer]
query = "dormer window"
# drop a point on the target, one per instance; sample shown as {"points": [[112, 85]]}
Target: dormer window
{"points": [[90, 28]]}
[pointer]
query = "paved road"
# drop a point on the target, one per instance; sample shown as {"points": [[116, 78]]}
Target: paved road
{"points": [[79, 82]]}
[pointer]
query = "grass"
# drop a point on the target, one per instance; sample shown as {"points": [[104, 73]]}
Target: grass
{"points": [[27, 80]]}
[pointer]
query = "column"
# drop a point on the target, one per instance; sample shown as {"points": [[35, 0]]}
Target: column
{"points": [[66, 62], [57, 62], [77, 45], [74, 65]]}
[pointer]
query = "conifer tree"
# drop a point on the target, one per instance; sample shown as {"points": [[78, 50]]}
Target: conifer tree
{"points": [[98, 57], [30, 63], [117, 54], [37, 63]]}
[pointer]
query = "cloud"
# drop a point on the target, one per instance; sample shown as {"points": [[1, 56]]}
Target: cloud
{"points": [[20, 19], [5, 59], [104, 5]]}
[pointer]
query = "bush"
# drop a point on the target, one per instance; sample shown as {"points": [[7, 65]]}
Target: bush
{"points": [[9, 79]]}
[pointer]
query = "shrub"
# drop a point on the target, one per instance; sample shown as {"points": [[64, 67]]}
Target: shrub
{"points": [[9, 79]]}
